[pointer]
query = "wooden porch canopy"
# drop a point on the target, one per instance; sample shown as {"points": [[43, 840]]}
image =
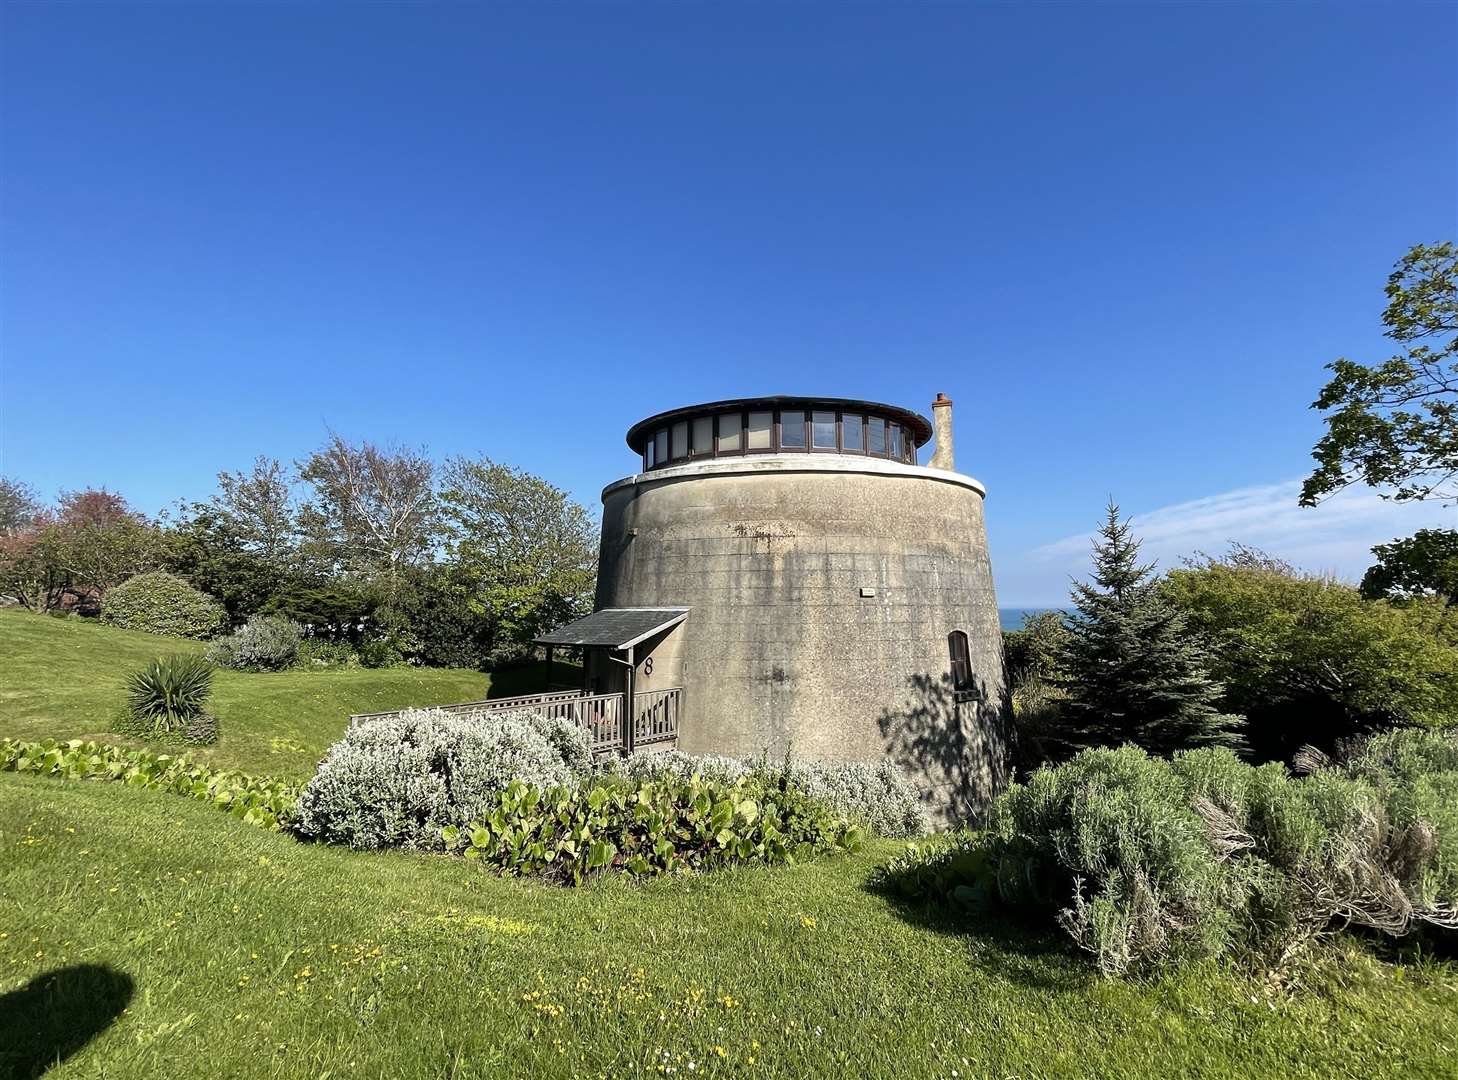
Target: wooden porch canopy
{"points": [[615, 628]]}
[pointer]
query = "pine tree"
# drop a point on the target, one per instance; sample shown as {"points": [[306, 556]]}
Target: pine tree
{"points": [[1132, 669]]}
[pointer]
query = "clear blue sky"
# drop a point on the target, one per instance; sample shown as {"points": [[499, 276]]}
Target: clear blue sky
{"points": [[1124, 239]]}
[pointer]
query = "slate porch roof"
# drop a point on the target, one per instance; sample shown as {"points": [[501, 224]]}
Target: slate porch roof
{"points": [[616, 628]]}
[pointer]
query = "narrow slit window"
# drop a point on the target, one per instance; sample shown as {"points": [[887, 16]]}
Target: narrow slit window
{"points": [[648, 459], [896, 441], [961, 662], [792, 430], [851, 433], [660, 446], [730, 433], [680, 440]]}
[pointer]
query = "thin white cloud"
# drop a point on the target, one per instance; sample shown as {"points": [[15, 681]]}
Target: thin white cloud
{"points": [[1335, 537]]}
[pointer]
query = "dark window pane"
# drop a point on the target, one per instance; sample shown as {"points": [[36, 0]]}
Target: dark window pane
{"points": [[851, 432], [896, 441], [792, 430], [961, 662], [876, 435], [648, 459], [660, 446], [680, 439], [823, 430]]}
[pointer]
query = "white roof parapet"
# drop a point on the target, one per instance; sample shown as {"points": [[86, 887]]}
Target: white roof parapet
{"points": [[795, 463]]}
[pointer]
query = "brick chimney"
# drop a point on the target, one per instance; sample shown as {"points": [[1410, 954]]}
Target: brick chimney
{"points": [[942, 424]]}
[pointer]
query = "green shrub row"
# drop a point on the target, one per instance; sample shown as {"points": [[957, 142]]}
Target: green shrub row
{"points": [[1145, 861], [162, 603], [254, 800], [648, 828]]}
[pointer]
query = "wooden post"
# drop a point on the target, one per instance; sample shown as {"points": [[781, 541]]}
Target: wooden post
{"points": [[630, 712], [547, 679]]}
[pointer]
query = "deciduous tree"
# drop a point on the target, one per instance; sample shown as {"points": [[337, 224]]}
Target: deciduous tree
{"points": [[371, 510], [1394, 425], [1424, 564], [525, 552]]}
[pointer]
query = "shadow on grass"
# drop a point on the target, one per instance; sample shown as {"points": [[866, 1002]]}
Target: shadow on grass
{"points": [[1014, 944], [56, 1014]]}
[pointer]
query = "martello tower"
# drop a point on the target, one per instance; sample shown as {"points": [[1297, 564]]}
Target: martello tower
{"points": [[832, 597]]}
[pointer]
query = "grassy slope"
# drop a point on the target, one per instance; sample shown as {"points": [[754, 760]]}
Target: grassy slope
{"points": [[226, 937], [62, 678], [253, 954]]}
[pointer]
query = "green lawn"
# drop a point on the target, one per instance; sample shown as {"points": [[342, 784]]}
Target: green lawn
{"points": [[249, 953], [142, 934], [63, 678]]}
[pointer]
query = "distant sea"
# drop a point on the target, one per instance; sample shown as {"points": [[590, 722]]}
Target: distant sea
{"points": [[1012, 617]]}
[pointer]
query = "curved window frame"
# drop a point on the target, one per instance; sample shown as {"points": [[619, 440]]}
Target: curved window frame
{"points": [[897, 441]]}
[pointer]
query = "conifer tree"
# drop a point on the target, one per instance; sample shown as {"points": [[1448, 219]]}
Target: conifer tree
{"points": [[1133, 670]]}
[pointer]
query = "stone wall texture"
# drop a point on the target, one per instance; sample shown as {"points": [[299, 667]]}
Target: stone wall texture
{"points": [[782, 652]]}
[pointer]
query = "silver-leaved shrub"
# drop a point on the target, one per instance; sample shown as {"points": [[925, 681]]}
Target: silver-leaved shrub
{"points": [[398, 781], [264, 643]]}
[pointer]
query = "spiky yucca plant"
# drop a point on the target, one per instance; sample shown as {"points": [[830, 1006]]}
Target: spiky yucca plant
{"points": [[171, 691]]}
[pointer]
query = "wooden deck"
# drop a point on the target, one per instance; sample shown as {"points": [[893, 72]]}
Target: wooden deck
{"points": [[655, 722]]}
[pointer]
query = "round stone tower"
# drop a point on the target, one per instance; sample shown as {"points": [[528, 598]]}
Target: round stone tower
{"points": [[839, 595]]}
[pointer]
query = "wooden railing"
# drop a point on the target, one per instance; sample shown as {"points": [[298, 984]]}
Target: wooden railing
{"points": [[655, 721], [657, 716]]}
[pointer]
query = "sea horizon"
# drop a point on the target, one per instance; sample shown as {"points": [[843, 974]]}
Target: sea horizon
{"points": [[1012, 618]]}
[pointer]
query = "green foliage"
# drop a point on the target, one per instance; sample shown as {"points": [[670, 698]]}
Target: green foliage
{"points": [[1034, 659], [949, 869], [334, 612], [19, 506], [254, 800], [1145, 862], [1034, 652], [1423, 564], [264, 643], [171, 693], [371, 510], [61, 678], [316, 653], [1308, 660], [437, 964], [199, 730], [874, 794], [74, 554], [1130, 668], [1110, 844], [1415, 774], [524, 554], [211, 551], [1396, 422], [431, 620], [162, 603], [647, 828]]}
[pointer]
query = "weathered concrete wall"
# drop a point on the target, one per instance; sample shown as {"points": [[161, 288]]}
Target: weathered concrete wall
{"points": [[781, 651]]}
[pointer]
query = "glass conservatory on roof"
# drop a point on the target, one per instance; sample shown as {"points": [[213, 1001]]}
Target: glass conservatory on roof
{"points": [[779, 425]]}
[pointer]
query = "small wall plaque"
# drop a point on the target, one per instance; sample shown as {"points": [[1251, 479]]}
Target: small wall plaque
{"points": [[867, 590]]}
